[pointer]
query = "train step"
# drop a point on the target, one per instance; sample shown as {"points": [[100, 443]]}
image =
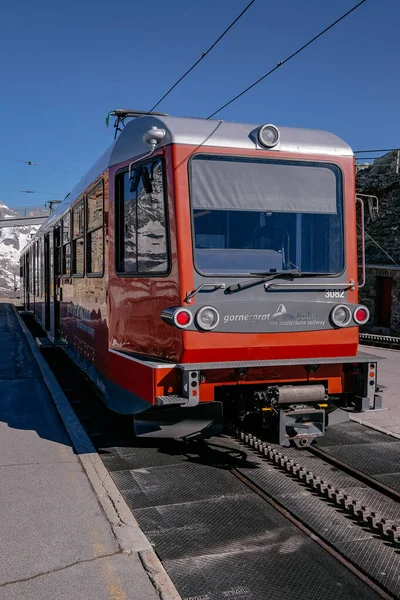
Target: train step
{"points": [[171, 400]]}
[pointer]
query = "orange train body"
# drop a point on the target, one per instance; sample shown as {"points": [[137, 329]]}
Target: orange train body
{"points": [[209, 270]]}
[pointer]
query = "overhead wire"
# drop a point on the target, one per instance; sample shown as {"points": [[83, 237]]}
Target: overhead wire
{"points": [[32, 163], [281, 63], [202, 57], [32, 192], [378, 245]]}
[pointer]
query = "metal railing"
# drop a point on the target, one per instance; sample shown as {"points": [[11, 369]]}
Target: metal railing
{"points": [[24, 211], [364, 161]]}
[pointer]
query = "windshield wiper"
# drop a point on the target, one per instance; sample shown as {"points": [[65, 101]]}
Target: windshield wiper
{"points": [[295, 273], [268, 275], [265, 276]]}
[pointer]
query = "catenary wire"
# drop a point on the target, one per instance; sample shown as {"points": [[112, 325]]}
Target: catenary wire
{"points": [[32, 163], [281, 63], [376, 244], [194, 65], [31, 192]]}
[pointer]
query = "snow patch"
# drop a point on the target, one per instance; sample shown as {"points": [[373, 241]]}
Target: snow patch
{"points": [[12, 241]]}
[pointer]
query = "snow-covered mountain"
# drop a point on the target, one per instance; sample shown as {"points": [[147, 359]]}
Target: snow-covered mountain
{"points": [[12, 240]]}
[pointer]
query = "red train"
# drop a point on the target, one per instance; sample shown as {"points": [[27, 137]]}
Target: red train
{"points": [[203, 267]]}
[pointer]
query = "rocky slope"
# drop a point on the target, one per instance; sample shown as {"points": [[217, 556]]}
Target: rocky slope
{"points": [[12, 240], [382, 181]]}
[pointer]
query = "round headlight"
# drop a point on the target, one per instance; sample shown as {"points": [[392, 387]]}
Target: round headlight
{"points": [[341, 315], [361, 315], [268, 136], [207, 318]]}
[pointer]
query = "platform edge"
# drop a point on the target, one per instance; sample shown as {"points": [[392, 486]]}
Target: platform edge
{"points": [[130, 537], [376, 427]]}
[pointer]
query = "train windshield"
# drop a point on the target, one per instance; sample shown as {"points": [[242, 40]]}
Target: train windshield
{"points": [[252, 215]]}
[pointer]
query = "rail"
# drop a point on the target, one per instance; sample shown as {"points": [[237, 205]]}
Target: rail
{"points": [[294, 468], [384, 341]]}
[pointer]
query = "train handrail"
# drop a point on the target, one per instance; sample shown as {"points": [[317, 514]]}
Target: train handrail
{"points": [[362, 227], [349, 285], [193, 293]]}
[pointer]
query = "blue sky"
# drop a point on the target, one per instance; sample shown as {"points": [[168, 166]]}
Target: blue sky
{"points": [[65, 64]]}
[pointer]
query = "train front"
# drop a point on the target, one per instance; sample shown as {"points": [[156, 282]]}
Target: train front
{"points": [[269, 314]]}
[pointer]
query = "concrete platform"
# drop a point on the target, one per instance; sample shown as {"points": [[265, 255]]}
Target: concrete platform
{"points": [[55, 539], [387, 420]]}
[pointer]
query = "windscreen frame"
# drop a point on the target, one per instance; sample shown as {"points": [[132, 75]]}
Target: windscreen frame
{"points": [[340, 201]]}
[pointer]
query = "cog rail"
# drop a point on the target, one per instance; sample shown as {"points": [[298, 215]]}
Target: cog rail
{"points": [[381, 526], [382, 545], [383, 341]]}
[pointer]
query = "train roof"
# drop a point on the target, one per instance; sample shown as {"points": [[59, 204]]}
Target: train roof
{"points": [[199, 132]]}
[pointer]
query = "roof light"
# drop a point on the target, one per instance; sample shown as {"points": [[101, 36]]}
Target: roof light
{"points": [[341, 315], [154, 136], [207, 318], [361, 315], [268, 135]]}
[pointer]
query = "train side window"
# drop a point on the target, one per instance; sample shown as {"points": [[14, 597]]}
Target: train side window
{"points": [[78, 240], [141, 232], [41, 250], [66, 243], [37, 274], [94, 235], [57, 250], [32, 264]]}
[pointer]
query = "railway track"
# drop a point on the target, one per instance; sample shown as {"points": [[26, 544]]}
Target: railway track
{"points": [[322, 494], [382, 341], [235, 516]]}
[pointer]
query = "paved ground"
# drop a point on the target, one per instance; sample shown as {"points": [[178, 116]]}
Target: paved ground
{"points": [[55, 540], [389, 376]]}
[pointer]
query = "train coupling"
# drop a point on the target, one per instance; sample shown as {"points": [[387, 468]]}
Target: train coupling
{"points": [[298, 412]]}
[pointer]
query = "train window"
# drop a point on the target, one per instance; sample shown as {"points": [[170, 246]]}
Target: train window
{"points": [[37, 263], [266, 215], [95, 207], [32, 266], [57, 250], [95, 252], [141, 232], [66, 228], [95, 240], [78, 240], [78, 220], [66, 238], [41, 260], [27, 273]]}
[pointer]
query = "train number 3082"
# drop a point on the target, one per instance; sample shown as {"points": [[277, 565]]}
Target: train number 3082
{"points": [[334, 294]]}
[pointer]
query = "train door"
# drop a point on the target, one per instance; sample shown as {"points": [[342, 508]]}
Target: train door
{"points": [[47, 282], [57, 280]]}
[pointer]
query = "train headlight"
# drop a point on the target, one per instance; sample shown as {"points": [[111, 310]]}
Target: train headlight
{"points": [[361, 315], [268, 135], [207, 318], [183, 318], [341, 315]]}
